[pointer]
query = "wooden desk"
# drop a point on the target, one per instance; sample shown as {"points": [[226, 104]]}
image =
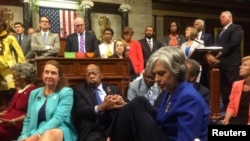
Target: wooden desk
{"points": [[115, 71]]}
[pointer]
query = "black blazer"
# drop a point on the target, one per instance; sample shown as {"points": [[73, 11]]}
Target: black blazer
{"points": [[85, 118], [207, 38], [146, 49], [91, 43], [230, 41]]}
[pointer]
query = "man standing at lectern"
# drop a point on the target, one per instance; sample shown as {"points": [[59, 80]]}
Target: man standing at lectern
{"points": [[82, 41], [230, 56]]}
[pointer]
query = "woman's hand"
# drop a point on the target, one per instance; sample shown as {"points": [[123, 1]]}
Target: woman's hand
{"points": [[224, 122], [6, 121]]}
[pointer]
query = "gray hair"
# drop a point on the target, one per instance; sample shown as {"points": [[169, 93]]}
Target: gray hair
{"points": [[173, 58], [228, 13], [201, 22], [26, 71]]}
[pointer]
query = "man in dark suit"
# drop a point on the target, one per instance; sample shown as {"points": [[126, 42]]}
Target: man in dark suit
{"points": [[88, 42], [230, 56], [23, 40], [193, 70], [199, 24], [149, 44], [95, 103]]}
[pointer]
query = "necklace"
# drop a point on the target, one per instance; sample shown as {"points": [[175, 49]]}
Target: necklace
{"points": [[168, 103]]}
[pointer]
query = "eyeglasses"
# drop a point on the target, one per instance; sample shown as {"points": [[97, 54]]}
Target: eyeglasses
{"points": [[80, 25]]}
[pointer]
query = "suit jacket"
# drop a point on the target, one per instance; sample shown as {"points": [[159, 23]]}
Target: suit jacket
{"points": [[178, 114], [230, 41], [91, 43], [234, 103], [146, 49], [205, 92], [26, 47], [192, 48], [58, 107], [85, 116], [139, 88], [207, 39], [39, 47]]}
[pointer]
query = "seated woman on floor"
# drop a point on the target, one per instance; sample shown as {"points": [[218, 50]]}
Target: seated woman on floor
{"points": [[11, 118]]}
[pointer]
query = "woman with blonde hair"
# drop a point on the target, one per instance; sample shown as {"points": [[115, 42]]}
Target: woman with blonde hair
{"points": [[192, 42]]}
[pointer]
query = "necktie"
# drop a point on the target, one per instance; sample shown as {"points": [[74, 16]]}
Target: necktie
{"points": [[82, 43], [97, 96], [45, 38], [150, 96], [150, 45], [20, 39]]}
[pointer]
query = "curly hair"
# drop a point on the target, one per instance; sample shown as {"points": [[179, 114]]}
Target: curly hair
{"points": [[26, 71]]}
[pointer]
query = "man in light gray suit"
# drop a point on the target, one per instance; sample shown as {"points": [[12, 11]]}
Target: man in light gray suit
{"points": [[23, 40], [45, 43], [144, 86]]}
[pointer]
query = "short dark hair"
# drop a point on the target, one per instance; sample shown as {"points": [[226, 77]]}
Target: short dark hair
{"points": [[16, 23], [45, 17], [108, 29]]}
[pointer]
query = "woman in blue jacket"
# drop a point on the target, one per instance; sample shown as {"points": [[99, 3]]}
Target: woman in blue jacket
{"points": [[49, 108]]}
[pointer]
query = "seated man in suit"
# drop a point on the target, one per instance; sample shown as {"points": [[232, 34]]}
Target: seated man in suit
{"points": [[94, 104], [144, 86], [23, 40], [193, 70], [82, 41], [45, 43]]}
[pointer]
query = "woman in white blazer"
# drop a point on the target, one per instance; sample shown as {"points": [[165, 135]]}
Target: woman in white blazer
{"points": [[191, 42]]}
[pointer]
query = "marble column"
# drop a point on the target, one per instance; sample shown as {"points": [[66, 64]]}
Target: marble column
{"points": [[87, 5], [27, 15], [124, 9]]}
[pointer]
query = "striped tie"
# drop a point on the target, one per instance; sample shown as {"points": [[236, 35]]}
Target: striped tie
{"points": [[82, 43]]}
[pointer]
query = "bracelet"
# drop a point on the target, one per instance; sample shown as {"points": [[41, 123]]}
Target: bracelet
{"points": [[13, 121]]}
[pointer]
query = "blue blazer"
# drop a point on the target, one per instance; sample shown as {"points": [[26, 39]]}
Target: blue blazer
{"points": [[187, 114], [58, 107], [207, 38]]}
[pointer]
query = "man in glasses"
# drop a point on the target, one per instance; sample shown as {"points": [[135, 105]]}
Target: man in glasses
{"points": [[82, 41], [45, 43]]}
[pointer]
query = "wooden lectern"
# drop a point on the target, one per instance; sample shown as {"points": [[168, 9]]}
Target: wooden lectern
{"points": [[205, 56], [115, 71]]}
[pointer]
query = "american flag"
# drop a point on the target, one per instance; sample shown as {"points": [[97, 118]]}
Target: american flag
{"points": [[61, 20]]}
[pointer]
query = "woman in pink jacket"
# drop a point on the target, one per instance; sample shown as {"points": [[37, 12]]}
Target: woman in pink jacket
{"points": [[134, 51], [238, 111]]}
